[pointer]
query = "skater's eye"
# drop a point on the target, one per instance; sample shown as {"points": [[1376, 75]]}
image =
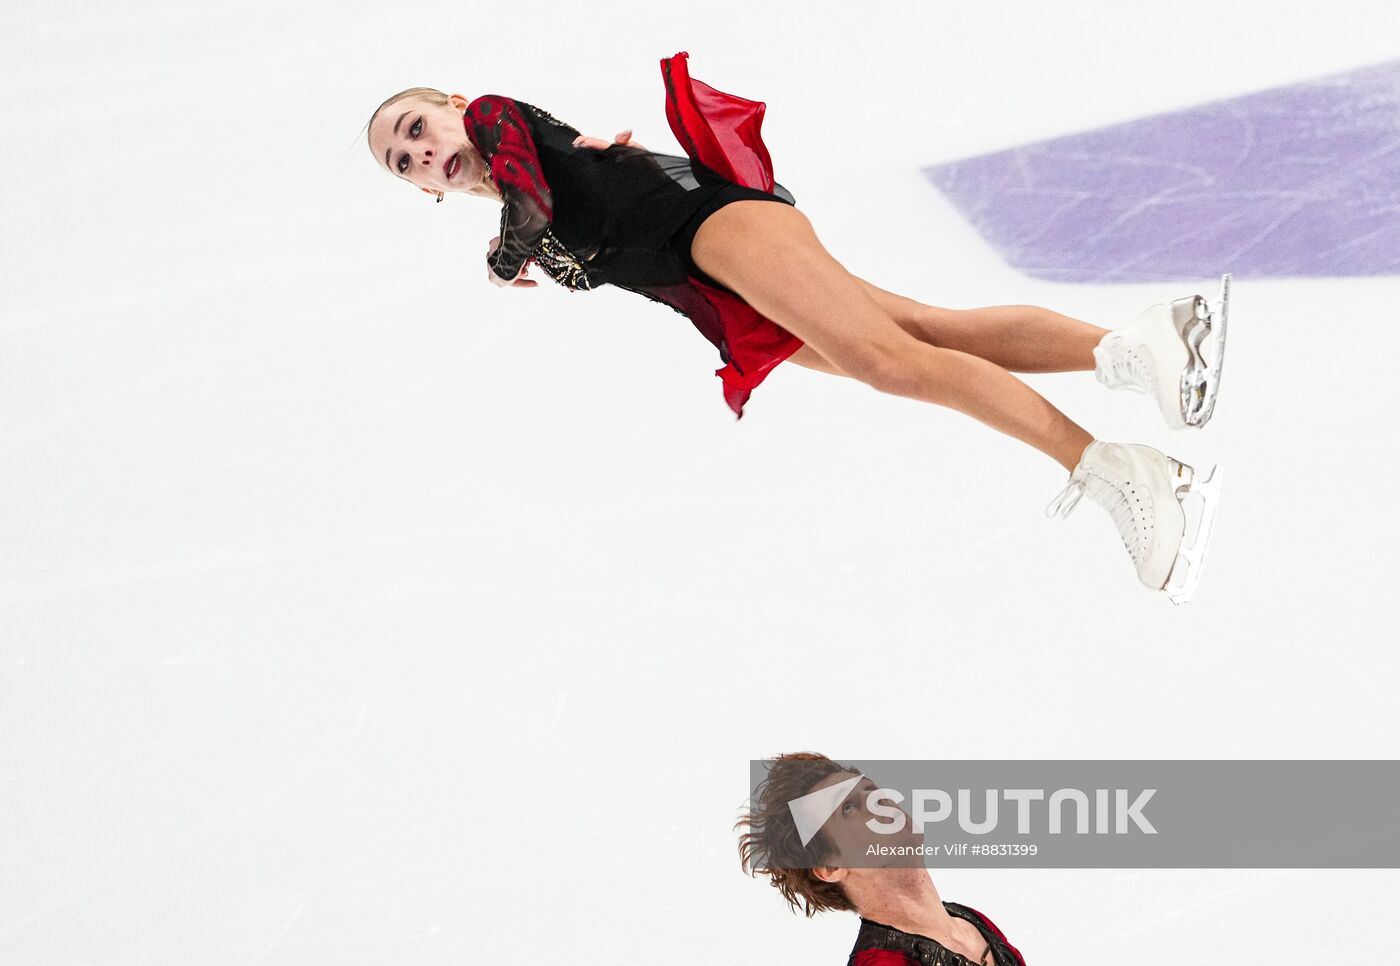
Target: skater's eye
{"points": [[415, 130]]}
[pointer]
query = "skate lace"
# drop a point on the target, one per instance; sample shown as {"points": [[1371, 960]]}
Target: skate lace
{"points": [[1129, 368], [1106, 495], [1066, 500]]}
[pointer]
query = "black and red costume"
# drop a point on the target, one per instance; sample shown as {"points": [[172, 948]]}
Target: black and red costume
{"points": [[626, 216], [881, 945]]}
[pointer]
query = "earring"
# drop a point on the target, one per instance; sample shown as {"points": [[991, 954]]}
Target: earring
{"points": [[432, 192]]}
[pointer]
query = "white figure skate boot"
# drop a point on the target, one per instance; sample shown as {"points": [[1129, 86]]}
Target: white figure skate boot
{"points": [[1159, 353], [1143, 490]]}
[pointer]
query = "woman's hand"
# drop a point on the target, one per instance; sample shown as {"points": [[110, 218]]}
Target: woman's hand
{"points": [[624, 137], [520, 281]]}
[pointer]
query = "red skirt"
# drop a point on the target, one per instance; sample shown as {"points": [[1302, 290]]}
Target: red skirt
{"points": [[721, 131]]}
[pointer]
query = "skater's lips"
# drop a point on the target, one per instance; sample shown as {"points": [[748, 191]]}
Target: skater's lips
{"points": [[450, 166]]}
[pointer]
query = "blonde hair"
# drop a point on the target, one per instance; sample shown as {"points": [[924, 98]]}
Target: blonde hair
{"points": [[433, 96]]}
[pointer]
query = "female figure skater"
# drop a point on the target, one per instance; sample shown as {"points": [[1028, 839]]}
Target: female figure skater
{"points": [[714, 237]]}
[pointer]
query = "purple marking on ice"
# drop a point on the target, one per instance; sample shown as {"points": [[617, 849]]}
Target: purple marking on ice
{"points": [[1302, 180]]}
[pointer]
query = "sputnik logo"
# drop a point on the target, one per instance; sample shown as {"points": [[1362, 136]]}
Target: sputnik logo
{"points": [[811, 811]]}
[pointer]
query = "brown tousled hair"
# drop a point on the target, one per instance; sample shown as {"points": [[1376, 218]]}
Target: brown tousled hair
{"points": [[772, 845]]}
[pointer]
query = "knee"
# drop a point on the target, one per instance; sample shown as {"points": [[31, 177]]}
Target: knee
{"points": [[885, 370]]}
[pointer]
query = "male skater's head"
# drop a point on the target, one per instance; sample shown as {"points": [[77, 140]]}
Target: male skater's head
{"points": [[903, 919], [833, 870]]}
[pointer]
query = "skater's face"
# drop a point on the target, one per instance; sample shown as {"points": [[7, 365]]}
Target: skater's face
{"points": [[854, 827], [426, 144]]}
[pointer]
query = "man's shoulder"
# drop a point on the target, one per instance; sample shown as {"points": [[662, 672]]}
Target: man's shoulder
{"points": [[986, 926]]}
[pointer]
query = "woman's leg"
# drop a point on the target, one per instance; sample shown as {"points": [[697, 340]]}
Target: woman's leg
{"points": [[810, 358], [1020, 338], [770, 255]]}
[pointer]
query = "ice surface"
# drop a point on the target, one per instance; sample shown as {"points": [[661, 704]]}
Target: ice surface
{"points": [[1300, 180]]}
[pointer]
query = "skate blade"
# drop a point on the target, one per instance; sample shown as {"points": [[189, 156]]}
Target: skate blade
{"points": [[1190, 559], [1200, 383]]}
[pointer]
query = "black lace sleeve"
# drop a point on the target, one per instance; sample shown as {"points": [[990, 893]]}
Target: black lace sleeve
{"points": [[497, 129]]}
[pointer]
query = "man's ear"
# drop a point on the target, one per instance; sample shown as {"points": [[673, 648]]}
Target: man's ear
{"points": [[829, 873]]}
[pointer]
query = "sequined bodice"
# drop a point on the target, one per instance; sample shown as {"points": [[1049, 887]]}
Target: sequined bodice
{"points": [[587, 217]]}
